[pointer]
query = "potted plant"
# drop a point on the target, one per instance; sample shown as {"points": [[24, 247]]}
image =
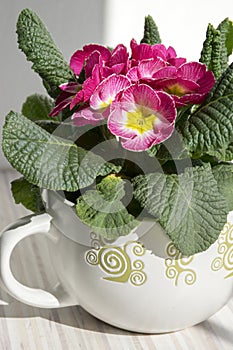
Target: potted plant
{"points": [[139, 145]]}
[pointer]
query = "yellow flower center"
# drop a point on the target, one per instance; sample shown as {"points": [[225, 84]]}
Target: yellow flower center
{"points": [[105, 104], [141, 120], [176, 90]]}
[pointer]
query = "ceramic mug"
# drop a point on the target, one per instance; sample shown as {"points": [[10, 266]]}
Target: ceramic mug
{"points": [[139, 282]]}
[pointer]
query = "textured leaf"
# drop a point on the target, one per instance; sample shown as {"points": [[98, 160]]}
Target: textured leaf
{"points": [[103, 210], [37, 44], [226, 29], [151, 33], [215, 51], [49, 161], [27, 194], [188, 206], [224, 176], [210, 129], [37, 107]]}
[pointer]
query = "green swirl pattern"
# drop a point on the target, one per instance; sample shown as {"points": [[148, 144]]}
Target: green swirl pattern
{"points": [[177, 266], [116, 263], [225, 251]]}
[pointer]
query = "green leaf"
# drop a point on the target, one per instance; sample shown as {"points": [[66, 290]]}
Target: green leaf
{"points": [[37, 44], [103, 210], [209, 130], [188, 206], [49, 161], [37, 107], [151, 33], [27, 194], [215, 53], [224, 176], [226, 29]]}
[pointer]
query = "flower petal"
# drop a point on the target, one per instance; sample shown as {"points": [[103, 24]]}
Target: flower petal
{"points": [[62, 102], [119, 55], [191, 70], [107, 90], [139, 143], [142, 117], [72, 87], [93, 59], [147, 68], [77, 61]]}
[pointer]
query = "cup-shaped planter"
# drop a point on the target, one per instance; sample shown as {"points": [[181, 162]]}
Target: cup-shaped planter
{"points": [[139, 282]]}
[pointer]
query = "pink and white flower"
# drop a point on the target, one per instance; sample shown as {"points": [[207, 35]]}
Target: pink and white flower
{"points": [[141, 117], [102, 98]]}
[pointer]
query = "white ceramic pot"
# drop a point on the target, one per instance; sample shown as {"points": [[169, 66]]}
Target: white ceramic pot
{"points": [[139, 282]]}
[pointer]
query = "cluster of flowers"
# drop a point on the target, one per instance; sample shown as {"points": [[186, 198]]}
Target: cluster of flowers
{"points": [[138, 96]]}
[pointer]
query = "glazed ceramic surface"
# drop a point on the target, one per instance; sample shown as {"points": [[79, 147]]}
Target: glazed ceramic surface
{"points": [[139, 282]]}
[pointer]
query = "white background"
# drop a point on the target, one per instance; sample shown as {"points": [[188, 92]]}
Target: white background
{"points": [[182, 24]]}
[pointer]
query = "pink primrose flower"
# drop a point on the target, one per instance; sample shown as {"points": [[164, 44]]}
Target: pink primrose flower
{"points": [[141, 117], [100, 101], [109, 62], [160, 68], [189, 83]]}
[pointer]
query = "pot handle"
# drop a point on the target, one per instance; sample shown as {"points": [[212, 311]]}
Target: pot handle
{"points": [[9, 238]]}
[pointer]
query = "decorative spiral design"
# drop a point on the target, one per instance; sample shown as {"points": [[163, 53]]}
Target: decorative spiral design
{"points": [[113, 260], [190, 277], [228, 258], [139, 249], [172, 251], [95, 242], [117, 264], [225, 251], [176, 265], [92, 257], [217, 264], [138, 265], [222, 248], [137, 278], [171, 272]]}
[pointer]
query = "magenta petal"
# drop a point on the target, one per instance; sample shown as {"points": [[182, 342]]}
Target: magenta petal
{"points": [[89, 114], [139, 144], [119, 55], [147, 68], [171, 53], [92, 60], [91, 83], [60, 106], [191, 71], [206, 82], [116, 69], [141, 51], [104, 51], [166, 107], [141, 94], [159, 50], [77, 61], [71, 87], [177, 62], [78, 98], [107, 90], [133, 74], [165, 73]]}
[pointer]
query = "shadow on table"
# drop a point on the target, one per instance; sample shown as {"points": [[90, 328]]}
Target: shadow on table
{"points": [[74, 316], [78, 318], [217, 330]]}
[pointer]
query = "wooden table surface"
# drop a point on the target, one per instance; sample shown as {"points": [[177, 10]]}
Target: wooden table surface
{"points": [[28, 328]]}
